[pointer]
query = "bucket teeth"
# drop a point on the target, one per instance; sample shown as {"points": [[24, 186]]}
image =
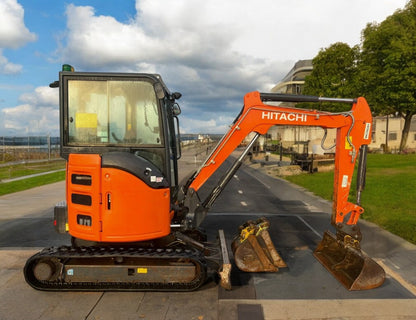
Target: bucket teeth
{"points": [[254, 250], [274, 256], [348, 264]]}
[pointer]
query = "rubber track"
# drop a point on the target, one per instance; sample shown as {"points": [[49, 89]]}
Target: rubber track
{"points": [[67, 252]]}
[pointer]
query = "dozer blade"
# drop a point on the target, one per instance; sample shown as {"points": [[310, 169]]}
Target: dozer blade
{"points": [[349, 265], [225, 271], [254, 250]]}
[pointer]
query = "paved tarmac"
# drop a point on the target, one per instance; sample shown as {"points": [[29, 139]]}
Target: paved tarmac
{"points": [[25, 228]]}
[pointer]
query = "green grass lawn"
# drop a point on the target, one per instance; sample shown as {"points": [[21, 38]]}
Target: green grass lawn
{"points": [[14, 171], [389, 198], [19, 170], [15, 186]]}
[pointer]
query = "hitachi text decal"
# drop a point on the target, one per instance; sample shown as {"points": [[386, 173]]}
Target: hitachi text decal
{"points": [[282, 116]]}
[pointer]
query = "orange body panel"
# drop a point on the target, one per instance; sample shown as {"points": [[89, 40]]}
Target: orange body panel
{"points": [[84, 166], [137, 212], [111, 205]]}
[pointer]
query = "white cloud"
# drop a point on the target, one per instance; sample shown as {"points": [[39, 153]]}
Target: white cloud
{"points": [[154, 38], [185, 44], [7, 67], [215, 51], [207, 32], [13, 33], [37, 115], [44, 96], [192, 125]]}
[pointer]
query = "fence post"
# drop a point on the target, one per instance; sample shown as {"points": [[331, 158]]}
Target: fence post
{"points": [[49, 147]]}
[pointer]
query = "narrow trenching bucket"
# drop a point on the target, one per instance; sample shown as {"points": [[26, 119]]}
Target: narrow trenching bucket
{"points": [[349, 265], [254, 250]]}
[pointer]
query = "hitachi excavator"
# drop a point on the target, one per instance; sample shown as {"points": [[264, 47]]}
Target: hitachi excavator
{"points": [[135, 227]]}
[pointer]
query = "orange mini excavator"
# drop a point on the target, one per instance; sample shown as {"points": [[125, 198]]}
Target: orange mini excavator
{"points": [[135, 227]]}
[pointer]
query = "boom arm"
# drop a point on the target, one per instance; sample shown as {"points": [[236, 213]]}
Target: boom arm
{"points": [[353, 133]]}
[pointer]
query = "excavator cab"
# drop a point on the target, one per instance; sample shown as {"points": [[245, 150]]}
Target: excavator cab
{"points": [[120, 137]]}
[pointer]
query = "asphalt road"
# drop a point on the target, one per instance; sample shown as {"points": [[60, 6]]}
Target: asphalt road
{"points": [[298, 222], [304, 290]]}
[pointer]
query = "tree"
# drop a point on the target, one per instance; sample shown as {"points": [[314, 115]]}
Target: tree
{"points": [[333, 75], [388, 65]]}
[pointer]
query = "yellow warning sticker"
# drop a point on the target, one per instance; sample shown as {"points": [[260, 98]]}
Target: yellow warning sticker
{"points": [[141, 270], [85, 120], [348, 146]]}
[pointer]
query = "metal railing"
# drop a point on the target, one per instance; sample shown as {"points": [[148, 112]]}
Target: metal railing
{"points": [[28, 149]]}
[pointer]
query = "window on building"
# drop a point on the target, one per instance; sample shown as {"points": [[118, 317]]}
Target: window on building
{"points": [[392, 136]]}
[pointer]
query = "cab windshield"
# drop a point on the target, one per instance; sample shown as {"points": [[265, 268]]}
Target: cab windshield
{"points": [[113, 112]]}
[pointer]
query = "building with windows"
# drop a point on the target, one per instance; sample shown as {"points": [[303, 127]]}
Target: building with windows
{"points": [[293, 82], [387, 132]]}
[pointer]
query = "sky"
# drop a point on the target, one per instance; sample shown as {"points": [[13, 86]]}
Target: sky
{"points": [[212, 51]]}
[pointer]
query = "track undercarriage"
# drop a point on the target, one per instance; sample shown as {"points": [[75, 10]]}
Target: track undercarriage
{"points": [[178, 262], [126, 267]]}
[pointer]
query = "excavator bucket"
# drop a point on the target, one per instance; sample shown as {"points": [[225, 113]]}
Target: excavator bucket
{"points": [[254, 250], [349, 265]]}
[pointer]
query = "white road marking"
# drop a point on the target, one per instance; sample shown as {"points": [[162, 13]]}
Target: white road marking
{"points": [[243, 203], [240, 191], [248, 214], [309, 226], [258, 179], [310, 207]]}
